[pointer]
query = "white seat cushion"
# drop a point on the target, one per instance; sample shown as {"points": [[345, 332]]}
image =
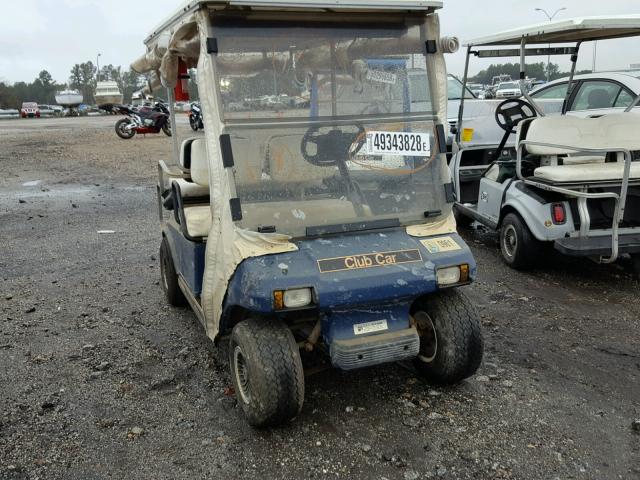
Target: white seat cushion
{"points": [[613, 131], [582, 160], [591, 172], [199, 163], [198, 219], [191, 190], [185, 153]]}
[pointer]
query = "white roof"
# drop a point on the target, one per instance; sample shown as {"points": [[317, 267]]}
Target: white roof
{"points": [[329, 5], [565, 31]]}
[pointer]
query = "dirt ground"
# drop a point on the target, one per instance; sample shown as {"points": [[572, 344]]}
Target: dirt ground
{"points": [[99, 378]]}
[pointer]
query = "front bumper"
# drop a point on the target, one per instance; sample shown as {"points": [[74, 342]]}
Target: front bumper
{"points": [[362, 352]]}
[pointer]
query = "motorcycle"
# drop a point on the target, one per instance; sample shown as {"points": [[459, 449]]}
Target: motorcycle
{"points": [[143, 120], [195, 117]]}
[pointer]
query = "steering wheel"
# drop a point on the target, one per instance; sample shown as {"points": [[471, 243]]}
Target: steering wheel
{"points": [[331, 148], [508, 115], [513, 111]]}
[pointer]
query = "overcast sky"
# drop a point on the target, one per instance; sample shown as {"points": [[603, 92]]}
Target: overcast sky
{"points": [[55, 34]]}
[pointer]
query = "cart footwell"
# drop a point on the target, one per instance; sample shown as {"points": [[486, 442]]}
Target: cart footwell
{"points": [[375, 349], [596, 246]]}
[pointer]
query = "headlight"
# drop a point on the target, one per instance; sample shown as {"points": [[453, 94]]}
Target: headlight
{"points": [[452, 275], [296, 298], [300, 297]]}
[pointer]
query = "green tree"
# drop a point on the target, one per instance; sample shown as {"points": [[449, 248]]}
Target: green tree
{"points": [[83, 79]]}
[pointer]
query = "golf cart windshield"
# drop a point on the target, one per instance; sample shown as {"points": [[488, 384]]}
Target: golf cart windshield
{"points": [[326, 125]]}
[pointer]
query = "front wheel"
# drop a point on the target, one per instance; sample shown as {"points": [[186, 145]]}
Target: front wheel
{"points": [[267, 371], [169, 277], [166, 128], [635, 260], [193, 123], [122, 131], [520, 249], [451, 344], [461, 219]]}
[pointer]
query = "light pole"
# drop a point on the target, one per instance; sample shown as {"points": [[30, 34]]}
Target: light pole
{"points": [[550, 17], [98, 67]]}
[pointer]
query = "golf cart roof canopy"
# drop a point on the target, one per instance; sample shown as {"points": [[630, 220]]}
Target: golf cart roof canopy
{"points": [[293, 5], [582, 29]]}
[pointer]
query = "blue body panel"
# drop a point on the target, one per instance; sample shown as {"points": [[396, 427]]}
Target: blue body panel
{"points": [[346, 297], [188, 258]]}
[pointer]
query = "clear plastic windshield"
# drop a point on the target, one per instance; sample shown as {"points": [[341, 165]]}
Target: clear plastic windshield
{"points": [[330, 125], [310, 70]]}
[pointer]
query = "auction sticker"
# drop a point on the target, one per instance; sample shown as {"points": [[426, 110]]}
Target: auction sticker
{"points": [[370, 327], [440, 245], [399, 143]]}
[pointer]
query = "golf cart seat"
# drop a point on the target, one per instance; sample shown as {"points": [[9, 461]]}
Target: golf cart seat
{"points": [[195, 217], [562, 164], [185, 187]]}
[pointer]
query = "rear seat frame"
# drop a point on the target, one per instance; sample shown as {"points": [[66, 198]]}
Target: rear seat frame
{"points": [[581, 192]]}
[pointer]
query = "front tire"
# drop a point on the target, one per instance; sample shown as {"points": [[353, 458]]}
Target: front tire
{"points": [[520, 249], [122, 131], [267, 371], [451, 343], [461, 219], [169, 277], [166, 128], [193, 123]]}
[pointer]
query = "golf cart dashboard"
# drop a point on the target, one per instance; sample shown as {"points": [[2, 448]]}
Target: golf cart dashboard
{"points": [[484, 156]]}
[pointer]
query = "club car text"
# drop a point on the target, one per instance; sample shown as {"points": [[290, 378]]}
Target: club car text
{"points": [[368, 260]]}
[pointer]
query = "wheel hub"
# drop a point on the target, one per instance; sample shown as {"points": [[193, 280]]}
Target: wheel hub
{"points": [[428, 336], [241, 372], [510, 240]]}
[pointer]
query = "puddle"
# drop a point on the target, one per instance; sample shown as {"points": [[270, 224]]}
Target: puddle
{"points": [[65, 191], [32, 183]]}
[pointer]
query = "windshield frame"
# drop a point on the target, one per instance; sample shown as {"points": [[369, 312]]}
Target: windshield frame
{"points": [[369, 22]]}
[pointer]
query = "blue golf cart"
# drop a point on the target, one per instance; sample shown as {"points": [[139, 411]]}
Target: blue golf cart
{"points": [[315, 213]]}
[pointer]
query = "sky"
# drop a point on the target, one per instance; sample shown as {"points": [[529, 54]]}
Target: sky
{"points": [[55, 34]]}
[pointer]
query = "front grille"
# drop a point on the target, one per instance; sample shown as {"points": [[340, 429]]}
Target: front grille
{"points": [[375, 349]]}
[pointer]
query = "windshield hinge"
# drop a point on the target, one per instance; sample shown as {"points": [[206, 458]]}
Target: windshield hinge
{"points": [[441, 137], [449, 192], [432, 46], [226, 150], [236, 209], [212, 45]]}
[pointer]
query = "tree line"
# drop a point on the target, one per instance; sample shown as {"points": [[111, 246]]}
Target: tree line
{"points": [[534, 70], [83, 77]]}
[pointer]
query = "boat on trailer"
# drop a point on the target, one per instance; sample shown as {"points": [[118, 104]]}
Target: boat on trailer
{"points": [[69, 98], [108, 93]]}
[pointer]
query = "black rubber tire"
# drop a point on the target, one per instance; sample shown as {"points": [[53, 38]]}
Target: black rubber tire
{"points": [[459, 345], [264, 353], [124, 134], [193, 124], [166, 128], [635, 261], [524, 253], [169, 277], [461, 219]]}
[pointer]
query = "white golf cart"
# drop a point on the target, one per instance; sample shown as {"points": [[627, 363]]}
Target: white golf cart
{"points": [[567, 181], [316, 211]]}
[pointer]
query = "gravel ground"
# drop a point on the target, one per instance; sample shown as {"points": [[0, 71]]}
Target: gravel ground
{"points": [[99, 378]]}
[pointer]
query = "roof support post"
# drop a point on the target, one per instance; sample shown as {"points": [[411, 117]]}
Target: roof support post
{"points": [[523, 77], [174, 127], [574, 62], [463, 94]]}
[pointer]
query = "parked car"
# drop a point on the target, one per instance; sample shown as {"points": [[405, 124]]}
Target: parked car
{"points": [[594, 94], [30, 110], [477, 89], [508, 89], [54, 110]]}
